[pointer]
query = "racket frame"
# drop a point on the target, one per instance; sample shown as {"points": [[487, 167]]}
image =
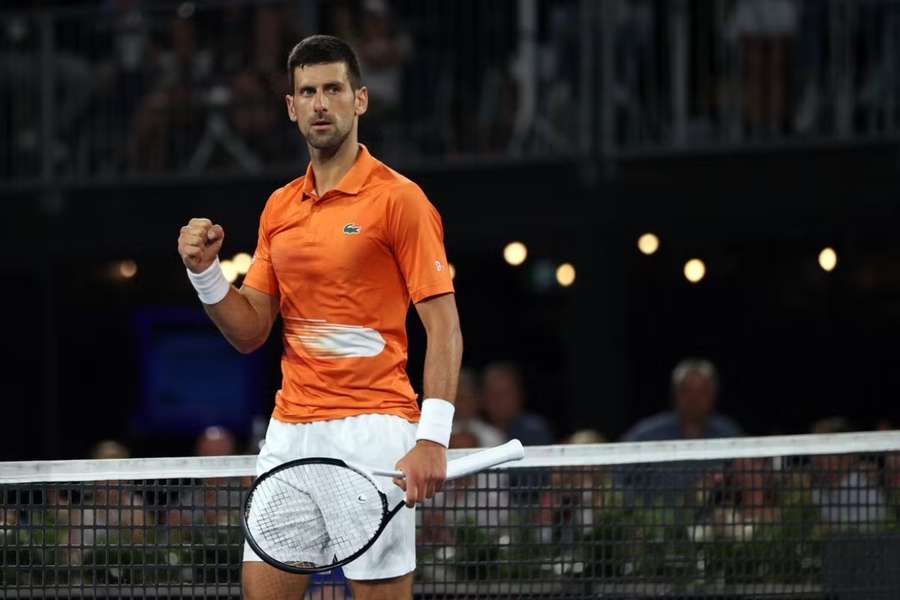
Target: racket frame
{"points": [[386, 515], [461, 467]]}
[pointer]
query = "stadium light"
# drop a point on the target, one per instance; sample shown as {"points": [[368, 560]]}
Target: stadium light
{"points": [[128, 269], [242, 262], [230, 271], [648, 243], [828, 259], [515, 253], [694, 270], [565, 274]]}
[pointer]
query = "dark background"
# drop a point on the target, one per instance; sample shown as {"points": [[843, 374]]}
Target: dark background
{"points": [[793, 343]]}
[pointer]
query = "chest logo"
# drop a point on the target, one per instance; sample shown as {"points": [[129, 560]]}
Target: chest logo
{"points": [[352, 229]]}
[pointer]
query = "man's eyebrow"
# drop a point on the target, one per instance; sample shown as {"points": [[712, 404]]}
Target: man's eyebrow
{"points": [[310, 85]]}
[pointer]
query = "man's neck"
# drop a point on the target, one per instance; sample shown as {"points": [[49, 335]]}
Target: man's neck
{"points": [[330, 168]]}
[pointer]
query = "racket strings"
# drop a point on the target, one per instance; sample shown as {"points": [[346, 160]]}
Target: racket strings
{"points": [[314, 514]]}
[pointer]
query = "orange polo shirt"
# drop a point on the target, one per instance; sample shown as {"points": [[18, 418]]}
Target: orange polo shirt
{"points": [[344, 267]]}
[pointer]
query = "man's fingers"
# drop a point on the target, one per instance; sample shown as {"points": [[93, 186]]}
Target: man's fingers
{"points": [[193, 239], [429, 490], [200, 222], [215, 233], [413, 491], [400, 483]]}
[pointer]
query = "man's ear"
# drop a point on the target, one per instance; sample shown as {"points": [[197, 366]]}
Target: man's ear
{"points": [[361, 100], [289, 101]]}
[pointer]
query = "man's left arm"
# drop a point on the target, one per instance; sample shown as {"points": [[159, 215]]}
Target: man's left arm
{"points": [[425, 466]]}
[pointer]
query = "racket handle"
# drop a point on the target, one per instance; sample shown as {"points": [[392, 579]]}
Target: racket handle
{"points": [[485, 459], [472, 463]]}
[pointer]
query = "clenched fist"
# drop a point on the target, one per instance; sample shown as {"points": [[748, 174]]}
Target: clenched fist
{"points": [[199, 244]]}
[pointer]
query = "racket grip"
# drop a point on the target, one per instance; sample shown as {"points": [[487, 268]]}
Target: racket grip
{"points": [[485, 459]]}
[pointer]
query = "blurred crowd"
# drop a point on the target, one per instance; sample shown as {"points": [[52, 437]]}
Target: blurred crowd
{"points": [[726, 499], [755, 70], [191, 87], [777, 501]]}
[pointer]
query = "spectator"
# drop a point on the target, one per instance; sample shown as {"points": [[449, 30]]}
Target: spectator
{"points": [[736, 502], [765, 31], [110, 449], [167, 120], [844, 487], [214, 501], [694, 391], [21, 86], [100, 514], [215, 441], [586, 436], [467, 418], [504, 401], [384, 50], [575, 497], [846, 492], [695, 388]]}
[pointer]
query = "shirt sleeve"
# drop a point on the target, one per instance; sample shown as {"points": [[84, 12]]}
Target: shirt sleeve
{"points": [[417, 239], [261, 275]]}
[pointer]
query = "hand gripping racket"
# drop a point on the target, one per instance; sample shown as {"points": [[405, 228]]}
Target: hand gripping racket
{"points": [[314, 514]]}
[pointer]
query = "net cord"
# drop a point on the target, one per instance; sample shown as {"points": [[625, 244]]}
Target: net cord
{"points": [[535, 456]]}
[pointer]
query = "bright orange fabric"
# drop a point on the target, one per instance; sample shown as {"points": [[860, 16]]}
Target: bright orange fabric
{"points": [[345, 267]]}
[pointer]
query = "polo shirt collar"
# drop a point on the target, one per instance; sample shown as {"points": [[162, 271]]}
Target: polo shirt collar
{"points": [[352, 181]]}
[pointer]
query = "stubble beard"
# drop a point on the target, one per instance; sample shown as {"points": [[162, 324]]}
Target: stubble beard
{"points": [[327, 143]]}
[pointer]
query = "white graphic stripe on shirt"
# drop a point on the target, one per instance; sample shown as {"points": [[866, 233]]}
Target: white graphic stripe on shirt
{"points": [[325, 340]]}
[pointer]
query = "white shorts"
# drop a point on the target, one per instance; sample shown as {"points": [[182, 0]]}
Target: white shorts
{"points": [[371, 440]]}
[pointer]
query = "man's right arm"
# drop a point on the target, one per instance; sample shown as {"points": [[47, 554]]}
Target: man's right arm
{"points": [[245, 317]]}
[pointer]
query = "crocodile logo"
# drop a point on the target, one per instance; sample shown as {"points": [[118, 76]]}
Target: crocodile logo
{"points": [[352, 229]]}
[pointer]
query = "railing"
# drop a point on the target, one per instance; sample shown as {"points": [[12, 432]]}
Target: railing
{"points": [[196, 89], [725, 75]]}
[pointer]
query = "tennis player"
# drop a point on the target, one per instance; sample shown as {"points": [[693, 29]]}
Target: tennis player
{"points": [[341, 252]]}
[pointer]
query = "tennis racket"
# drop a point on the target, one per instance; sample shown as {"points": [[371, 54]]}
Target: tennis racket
{"points": [[315, 514]]}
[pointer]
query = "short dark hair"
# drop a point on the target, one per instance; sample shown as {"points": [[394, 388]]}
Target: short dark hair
{"points": [[324, 49]]}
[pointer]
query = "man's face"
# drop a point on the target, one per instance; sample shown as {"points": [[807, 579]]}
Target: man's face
{"points": [[695, 398], [324, 105]]}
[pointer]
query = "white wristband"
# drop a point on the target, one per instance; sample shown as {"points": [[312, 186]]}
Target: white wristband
{"points": [[211, 285], [436, 421]]}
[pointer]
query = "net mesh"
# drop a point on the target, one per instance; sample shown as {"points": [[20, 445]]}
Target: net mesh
{"points": [[805, 517]]}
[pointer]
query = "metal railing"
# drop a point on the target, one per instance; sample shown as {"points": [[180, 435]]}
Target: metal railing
{"points": [[196, 89]]}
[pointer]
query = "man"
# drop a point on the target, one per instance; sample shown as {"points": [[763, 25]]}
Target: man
{"points": [[215, 441], [467, 419], [341, 252], [504, 404], [695, 388]]}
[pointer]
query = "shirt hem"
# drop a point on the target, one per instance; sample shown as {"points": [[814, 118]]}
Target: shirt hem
{"points": [[316, 418]]}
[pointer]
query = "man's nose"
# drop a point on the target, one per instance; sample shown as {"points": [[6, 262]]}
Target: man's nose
{"points": [[319, 102]]}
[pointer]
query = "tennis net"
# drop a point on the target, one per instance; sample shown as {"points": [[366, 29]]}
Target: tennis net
{"points": [[814, 516]]}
